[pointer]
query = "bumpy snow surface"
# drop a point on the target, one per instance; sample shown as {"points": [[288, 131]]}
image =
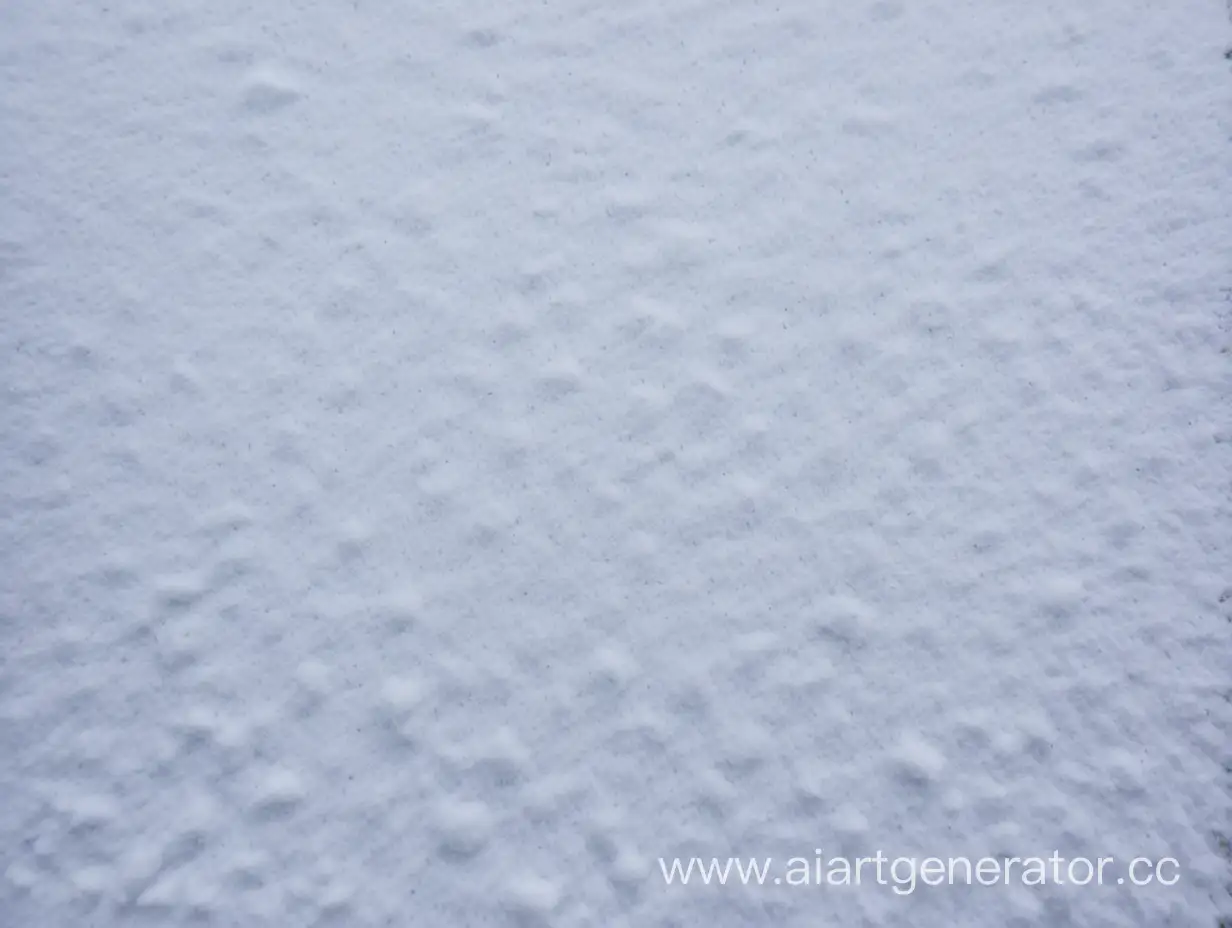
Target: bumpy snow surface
{"points": [[459, 455]]}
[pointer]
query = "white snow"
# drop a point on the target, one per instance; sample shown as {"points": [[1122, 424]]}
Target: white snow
{"points": [[458, 454]]}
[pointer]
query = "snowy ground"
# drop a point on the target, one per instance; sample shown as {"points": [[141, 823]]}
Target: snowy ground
{"points": [[456, 454]]}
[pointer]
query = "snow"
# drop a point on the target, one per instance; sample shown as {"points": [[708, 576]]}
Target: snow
{"points": [[459, 454]]}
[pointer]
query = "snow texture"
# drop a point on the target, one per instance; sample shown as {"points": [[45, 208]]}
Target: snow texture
{"points": [[456, 454]]}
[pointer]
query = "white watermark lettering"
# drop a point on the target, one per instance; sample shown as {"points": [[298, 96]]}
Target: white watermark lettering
{"points": [[903, 875]]}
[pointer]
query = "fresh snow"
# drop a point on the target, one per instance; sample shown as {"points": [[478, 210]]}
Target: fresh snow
{"points": [[459, 454]]}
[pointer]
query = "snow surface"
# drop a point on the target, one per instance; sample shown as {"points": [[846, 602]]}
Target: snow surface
{"points": [[456, 454]]}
